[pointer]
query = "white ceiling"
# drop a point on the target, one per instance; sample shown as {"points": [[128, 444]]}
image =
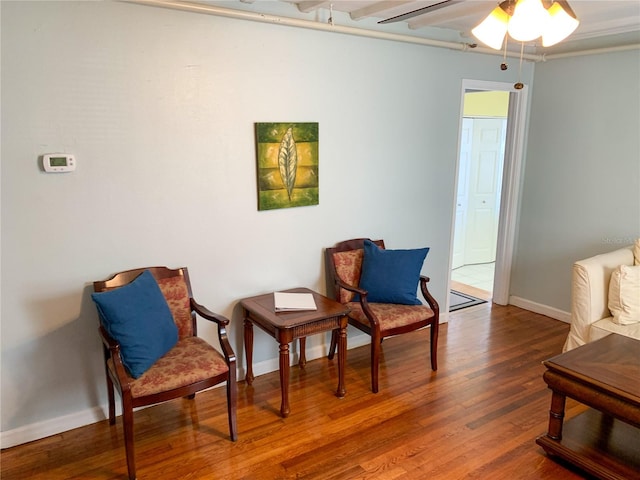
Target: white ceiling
{"points": [[603, 23]]}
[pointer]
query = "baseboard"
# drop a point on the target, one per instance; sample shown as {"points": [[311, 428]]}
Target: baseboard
{"points": [[541, 309], [55, 426]]}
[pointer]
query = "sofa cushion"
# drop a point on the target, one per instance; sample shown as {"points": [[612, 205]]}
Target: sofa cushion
{"points": [[137, 316], [191, 360], [605, 327], [391, 276], [624, 295], [636, 252]]}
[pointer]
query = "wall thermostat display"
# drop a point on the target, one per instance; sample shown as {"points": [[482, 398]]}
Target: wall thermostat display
{"points": [[58, 162]]}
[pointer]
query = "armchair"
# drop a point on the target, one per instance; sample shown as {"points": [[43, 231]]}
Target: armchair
{"points": [[591, 317], [344, 263], [157, 355]]}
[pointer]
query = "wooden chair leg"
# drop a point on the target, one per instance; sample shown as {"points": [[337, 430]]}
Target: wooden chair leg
{"points": [[375, 360], [127, 424], [434, 346], [112, 401], [333, 345], [232, 402]]}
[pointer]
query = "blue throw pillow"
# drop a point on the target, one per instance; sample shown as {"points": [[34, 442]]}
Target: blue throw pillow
{"points": [[137, 316], [391, 276]]}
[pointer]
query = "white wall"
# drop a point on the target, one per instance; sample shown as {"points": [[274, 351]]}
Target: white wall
{"points": [[159, 108], [581, 192]]}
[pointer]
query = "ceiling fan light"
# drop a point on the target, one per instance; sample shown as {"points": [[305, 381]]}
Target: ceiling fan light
{"points": [[492, 30], [529, 20], [561, 24]]}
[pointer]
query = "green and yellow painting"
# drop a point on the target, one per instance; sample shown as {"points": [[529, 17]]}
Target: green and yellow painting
{"points": [[287, 155]]}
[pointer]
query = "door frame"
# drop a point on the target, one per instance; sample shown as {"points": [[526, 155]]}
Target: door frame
{"points": [[511, 182]]}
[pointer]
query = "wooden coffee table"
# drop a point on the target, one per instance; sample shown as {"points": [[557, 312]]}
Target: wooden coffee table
{"points": [[287, 326], [605, 375]]}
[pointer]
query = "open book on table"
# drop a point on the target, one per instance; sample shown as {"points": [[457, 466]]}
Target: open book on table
{"points": [[286, 302]]}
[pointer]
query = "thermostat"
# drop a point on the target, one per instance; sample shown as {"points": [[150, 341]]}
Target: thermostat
{"points": [[58, 162]]}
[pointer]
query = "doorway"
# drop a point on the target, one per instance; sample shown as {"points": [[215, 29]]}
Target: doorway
{"points": [[487, 182], [481, 161]]}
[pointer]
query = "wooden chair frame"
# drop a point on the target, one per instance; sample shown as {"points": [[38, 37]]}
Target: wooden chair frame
{"points": [[375, 330], [118, 377]]}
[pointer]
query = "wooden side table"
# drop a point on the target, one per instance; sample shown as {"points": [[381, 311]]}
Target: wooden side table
{"points": [[287, 326]]}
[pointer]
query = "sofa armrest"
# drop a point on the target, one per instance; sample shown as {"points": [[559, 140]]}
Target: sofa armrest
{"points": [[590, 292]]}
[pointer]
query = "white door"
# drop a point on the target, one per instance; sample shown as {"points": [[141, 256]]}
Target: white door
{"points": [[485, 181], [458, 258]]}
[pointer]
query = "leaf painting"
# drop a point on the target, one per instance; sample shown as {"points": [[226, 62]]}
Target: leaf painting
{"points": [[287, 165], [288, 161]]}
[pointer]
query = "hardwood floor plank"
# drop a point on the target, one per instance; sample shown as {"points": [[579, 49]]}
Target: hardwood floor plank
{"points": [[471, 290], [476, 417]]}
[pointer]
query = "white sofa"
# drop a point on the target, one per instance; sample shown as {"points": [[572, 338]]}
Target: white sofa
{"points": [[590, 315]]}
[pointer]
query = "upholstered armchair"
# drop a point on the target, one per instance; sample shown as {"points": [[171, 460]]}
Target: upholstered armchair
{"points": [[380, 286], [151, 349], [605, 296]]}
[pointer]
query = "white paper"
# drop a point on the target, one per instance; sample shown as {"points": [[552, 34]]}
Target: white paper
{"points": [[285, 301]]}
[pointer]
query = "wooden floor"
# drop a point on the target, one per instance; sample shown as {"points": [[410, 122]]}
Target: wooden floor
{"points": [[476, 417], [471, 290]]}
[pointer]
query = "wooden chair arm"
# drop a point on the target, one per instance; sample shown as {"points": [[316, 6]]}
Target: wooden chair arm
{"points": [[363, 300], [112, 350], [222, 322], [351, 288], [204, 312], [427, 295]]}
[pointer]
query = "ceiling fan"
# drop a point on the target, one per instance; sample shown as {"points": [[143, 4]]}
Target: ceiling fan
{"points": [[523, 20], [420, 11]]}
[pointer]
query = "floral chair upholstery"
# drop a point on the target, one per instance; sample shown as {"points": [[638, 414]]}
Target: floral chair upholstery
{"points": [[191, 365], [380, 320]]}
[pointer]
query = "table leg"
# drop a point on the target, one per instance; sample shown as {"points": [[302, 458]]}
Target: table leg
{"points": [[342, 353], [248, 348], [284, 379], [303, 355], [556, 416]]}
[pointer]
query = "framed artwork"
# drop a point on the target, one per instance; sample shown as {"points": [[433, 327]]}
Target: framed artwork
{"points": [[287, 161]]}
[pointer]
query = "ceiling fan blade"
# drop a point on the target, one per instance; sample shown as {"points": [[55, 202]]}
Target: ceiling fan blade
{"points": [[420, 11]]}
